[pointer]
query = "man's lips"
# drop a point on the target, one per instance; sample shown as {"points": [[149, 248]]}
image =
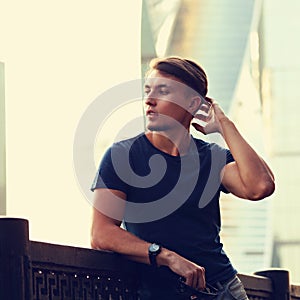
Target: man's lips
{"points": [[151, 113]]}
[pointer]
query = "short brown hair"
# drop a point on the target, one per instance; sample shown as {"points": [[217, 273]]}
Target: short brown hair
{"points": [[187, 71]]}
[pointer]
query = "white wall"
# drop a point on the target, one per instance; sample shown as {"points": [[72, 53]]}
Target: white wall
{"points": [[2, 145], [59, 56]]}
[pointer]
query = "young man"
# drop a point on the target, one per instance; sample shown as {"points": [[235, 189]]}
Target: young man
{"points": [[165, 186]]}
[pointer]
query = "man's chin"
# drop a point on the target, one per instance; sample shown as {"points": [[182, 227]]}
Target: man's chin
{"points": [[155, 128]]}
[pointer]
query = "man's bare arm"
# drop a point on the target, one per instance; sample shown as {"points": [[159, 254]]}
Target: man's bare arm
{"points": [[106, 234], [248, 176]]}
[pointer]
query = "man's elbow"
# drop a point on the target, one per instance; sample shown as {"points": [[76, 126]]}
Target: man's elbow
{"points": [[263, 190], [99, 242]]}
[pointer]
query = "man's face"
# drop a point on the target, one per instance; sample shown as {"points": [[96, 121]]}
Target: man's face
{"points": [[166, 101]]}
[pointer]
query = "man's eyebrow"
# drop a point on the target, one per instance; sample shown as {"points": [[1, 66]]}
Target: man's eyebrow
{"points": [[163, 85]]}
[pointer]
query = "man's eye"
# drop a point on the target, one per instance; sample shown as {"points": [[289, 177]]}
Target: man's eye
{"points": [[146, 92], [164, 92]]}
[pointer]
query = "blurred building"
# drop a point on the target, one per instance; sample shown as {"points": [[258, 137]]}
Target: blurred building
{"points": [[280, 70], [242, 47]]}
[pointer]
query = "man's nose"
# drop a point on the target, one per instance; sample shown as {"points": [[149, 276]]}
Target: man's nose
{"points": [[150, 100]]}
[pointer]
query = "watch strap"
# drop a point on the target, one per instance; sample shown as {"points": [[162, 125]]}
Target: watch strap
{"points": [[153, 251]]}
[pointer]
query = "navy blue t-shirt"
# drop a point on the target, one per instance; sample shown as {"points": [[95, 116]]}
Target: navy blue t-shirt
{"points": [[171, 200]]}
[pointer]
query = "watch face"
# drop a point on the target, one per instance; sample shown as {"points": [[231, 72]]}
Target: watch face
{"points": [[154, 247]]}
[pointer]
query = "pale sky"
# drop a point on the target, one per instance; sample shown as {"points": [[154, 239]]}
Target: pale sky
{"points": [[59, 56]]}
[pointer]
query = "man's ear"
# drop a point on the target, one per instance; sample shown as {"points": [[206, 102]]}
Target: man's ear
{"points": [[194, 104]]}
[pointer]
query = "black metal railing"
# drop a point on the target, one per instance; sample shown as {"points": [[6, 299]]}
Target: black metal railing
{"points": [[40, 271]]}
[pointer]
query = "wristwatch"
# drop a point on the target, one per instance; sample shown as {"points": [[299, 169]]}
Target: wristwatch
{"points": [[153, 251]]}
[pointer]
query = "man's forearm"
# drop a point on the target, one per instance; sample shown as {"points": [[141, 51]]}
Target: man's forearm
{"points": [[116, 239], [113, 238]]}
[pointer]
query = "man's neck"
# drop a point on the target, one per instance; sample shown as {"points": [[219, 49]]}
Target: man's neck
{"points": [[173, 144]]}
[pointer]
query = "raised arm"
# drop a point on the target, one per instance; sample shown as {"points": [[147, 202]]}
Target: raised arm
{"points": [[106, 234], [249, 176]]}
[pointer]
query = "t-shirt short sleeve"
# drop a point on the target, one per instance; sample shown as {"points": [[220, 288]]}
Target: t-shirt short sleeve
{"points": [[229, 159], [107, 174]]}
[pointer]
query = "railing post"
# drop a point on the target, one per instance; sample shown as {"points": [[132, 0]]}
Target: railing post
{"points": [[14, 247], [280, 281]]}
